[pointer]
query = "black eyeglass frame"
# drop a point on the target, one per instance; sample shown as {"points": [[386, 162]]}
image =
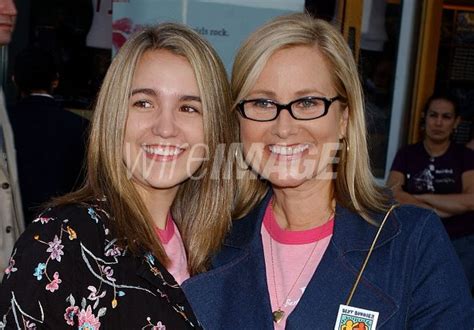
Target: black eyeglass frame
{"points": [[280, 107]]}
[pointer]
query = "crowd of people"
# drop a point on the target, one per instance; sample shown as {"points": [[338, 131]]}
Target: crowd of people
{"points": [[175, 228]]}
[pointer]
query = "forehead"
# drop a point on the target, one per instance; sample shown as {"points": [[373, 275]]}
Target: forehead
{"points": [[441, 106], [297, 68], [163, 69]]}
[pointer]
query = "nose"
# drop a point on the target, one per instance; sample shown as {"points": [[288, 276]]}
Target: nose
{"points": [[284, 125], [7, 7], [164, 123], [439, 120]]}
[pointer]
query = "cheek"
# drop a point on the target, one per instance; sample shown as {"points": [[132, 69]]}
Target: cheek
{"points": [[134, 128], [250, 132], [194, 132]]}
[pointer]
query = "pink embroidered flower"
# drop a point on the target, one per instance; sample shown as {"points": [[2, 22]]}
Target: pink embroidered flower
{"points": [[109, 272], [112, 252], [71, 311], [43, 220], [54, 284], [11, 267], [87, 320], [93, 295], [159, 326], [55, 248], [29, 325]]}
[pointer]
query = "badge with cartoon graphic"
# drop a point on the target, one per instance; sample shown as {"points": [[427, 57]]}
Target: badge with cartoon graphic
{"points": [[352, 318]]}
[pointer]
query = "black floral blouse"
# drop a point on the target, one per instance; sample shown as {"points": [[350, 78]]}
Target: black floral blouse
{"points": [[67, 272]]}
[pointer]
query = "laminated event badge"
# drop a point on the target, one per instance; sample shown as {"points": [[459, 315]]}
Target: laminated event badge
{"points": [[352, 318]]}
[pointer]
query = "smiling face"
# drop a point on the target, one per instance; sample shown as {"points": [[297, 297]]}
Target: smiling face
{"points": [[164, 135], [286, 151], [440, 120], [7, 20]]}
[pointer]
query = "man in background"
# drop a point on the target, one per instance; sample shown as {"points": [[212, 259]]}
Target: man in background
{"points": [[11, 216], [49, 140]]}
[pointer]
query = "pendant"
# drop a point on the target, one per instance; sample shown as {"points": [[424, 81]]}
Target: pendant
{"points": [[278, 315]]}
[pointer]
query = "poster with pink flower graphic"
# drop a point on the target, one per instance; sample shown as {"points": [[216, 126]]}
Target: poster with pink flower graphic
{"points": [[225, 23]]}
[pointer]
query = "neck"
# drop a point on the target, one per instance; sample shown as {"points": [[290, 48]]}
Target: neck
{"points": [[304, 207], [435, 148], [158, 203]]}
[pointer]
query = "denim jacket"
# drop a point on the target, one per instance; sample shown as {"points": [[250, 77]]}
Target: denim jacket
{"points": [[413, 279]]}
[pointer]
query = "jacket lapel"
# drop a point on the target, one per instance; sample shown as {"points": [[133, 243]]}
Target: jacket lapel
{"points": [[235, 296], [236, 292], [333, 280]]}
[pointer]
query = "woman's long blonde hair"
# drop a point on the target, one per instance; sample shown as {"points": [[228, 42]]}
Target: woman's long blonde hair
{"points": [[355, 187], [202, 207]]}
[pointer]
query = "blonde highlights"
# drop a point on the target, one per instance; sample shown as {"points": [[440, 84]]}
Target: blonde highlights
{"points": [[202, 207], [355, 187]]}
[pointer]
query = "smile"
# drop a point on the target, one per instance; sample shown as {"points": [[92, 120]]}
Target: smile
{"points": [[170, 151], [288, 150]]}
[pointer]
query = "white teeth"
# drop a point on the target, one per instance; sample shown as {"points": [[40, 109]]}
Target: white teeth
{"points": [[285, 150], [163, 150]]}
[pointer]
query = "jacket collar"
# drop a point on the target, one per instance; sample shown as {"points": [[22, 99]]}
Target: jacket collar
{"points": [[337, 270], [351, 231]]}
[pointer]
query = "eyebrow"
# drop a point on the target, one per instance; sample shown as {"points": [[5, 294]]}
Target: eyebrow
{"points": [[152, 92], [441, 112], [146, 91], [300, 93]]}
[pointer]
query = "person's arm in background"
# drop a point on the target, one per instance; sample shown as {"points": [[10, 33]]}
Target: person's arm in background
{"points": [[395, 182], [453, 204]]}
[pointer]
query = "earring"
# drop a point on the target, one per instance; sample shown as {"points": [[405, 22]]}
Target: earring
{"points": [[344, 141]]}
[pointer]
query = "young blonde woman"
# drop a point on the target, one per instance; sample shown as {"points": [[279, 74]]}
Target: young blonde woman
{"points": [[311, 249], [154, 207]]}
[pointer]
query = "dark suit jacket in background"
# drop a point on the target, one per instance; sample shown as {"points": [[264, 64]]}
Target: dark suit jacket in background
{"points": [[50, 146]]}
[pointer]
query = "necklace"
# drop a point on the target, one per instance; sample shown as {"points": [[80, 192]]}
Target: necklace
{"points": [[279, 314], [433, 154]]}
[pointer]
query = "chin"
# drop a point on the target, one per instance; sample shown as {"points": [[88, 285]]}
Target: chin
{"points": [[293, 179], [286, 180], [161, 182]]}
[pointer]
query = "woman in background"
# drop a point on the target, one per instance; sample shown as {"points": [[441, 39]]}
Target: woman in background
{"points": [[114, 253], [438, 174], [317, 240]]}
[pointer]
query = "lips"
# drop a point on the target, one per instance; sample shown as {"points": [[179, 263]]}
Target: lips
{"points": [[285, 153], [285, 150], [6, 26], [437, 132], [163, 152]]}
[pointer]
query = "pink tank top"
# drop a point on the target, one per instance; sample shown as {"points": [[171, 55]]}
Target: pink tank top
{"points": [[291, 258], [174, 248]]}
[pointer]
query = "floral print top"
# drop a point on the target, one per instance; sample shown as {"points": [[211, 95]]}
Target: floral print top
{"points": [[67, 272]]}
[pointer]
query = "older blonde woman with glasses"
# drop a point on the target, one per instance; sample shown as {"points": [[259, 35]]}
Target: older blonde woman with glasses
{"points": [[154, 208], [317, 244]]}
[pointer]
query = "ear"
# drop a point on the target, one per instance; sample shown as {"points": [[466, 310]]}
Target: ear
{"points": [[343, 121]]}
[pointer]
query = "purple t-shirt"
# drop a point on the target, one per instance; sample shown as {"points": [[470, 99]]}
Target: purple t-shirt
{"points": [[437, 175]]}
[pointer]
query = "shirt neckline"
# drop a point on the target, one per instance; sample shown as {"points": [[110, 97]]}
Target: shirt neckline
{"points": [[166, 234], [284, 236]]}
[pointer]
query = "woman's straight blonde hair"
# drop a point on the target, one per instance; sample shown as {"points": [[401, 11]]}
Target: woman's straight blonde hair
{"points": [[202, 207], [355, 187]]}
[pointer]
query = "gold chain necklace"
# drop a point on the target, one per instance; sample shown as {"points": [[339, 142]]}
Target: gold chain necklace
{"points": [[279, 314]]}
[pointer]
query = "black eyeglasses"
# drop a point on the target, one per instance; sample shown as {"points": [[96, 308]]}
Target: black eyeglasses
{"points": [[306, 108]]}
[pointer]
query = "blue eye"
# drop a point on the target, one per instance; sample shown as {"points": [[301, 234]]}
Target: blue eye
{"points": [[262, 103], [309, 103]]}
